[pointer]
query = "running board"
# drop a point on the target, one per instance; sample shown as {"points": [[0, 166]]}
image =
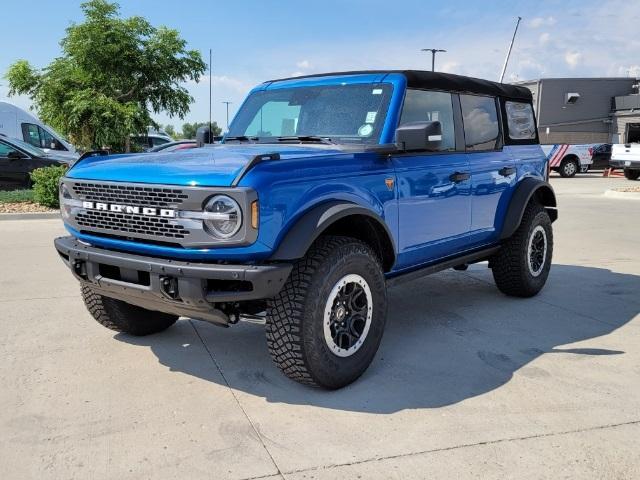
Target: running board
{"points": [[474, 257]]}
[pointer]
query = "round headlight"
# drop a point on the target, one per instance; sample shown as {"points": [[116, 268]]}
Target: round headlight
{"points": [[223, 216]]}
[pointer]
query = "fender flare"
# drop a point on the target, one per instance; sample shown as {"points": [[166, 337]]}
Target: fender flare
{"points": [[310, 226], [529, 187]]}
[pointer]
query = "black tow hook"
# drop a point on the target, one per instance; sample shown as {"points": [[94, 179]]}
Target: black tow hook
{"points": [[169, 287], [80, 268]]}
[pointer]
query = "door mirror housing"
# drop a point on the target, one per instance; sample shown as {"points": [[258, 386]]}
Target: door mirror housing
{"points": [[417, 136]]}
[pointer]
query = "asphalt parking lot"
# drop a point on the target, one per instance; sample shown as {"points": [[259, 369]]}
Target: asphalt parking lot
{"points": [[468, 383]]}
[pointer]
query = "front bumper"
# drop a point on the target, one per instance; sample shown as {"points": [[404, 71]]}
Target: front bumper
{"points": [[177, 287], [633, 164]]}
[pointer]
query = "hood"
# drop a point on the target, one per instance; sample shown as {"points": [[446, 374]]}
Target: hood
{"points": [[216, 165], [59, 157]]}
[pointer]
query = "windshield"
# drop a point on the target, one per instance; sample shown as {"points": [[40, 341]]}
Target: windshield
{"points": [[27, 147], [342, 113]]}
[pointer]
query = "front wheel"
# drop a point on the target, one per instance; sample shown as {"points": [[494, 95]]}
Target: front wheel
{"points": [[569, 168], [631, 174], [522, 265], [124, 317], [324, 327]]}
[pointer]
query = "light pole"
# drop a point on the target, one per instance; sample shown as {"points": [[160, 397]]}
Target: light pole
{"points": [[433, 56], [227, 104]]}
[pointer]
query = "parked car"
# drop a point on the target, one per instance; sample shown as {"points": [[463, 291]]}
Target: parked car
{"points": [[17, 123], [568, 160], [627, 157], [174, 146], [325, 190], [601, 156], [18, 159], [152, 138]]}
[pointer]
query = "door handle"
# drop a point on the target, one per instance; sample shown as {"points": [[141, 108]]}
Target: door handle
{"points": [[506, 171], [459, 177]]}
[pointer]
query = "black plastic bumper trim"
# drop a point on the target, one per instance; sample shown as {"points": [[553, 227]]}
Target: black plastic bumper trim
{"points": [[193, 298]]}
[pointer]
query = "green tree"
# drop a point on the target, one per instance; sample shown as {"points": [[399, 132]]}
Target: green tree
{"points": [[189, 129], [112, 75], [171, 131]]}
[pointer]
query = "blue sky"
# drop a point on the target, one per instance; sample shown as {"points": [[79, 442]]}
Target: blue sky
{"points": [[255, 41]]}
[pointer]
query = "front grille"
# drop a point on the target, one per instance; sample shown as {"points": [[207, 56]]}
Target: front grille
{"points": [[129, 194], [125, 223]]}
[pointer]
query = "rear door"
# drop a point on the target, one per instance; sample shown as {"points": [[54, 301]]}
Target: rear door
{"points": [[434, 203], [493, 170]]}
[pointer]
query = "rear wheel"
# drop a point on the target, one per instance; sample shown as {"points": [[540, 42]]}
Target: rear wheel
{"points": [[521, 267], [324, 327], [124, 317], [631, 174], [569, 167]]}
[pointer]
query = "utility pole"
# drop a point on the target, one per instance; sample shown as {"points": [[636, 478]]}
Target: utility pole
{"points": [[227, 104], [210, 136], [433, 56], [506, 60]]}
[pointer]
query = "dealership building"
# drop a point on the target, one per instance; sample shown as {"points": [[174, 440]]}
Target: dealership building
{"points": [[586, 110]]}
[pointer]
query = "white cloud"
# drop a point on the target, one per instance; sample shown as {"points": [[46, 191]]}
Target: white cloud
{"points": [[303, 64], [629, 71], [538, 22], [450, 67], [573, 58], [544, 38], [297, 74]]}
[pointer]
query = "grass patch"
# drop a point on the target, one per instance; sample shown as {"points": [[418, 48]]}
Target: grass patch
{"points": [[16, 196]]}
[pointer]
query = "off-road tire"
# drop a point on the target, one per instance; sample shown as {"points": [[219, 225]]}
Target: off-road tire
{"points": [[565, 169], [294, 326], [124, 317], [510, 266], [631, 174]]}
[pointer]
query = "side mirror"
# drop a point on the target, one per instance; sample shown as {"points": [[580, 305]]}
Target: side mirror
{"points": [[15, 155], [419, 136]]}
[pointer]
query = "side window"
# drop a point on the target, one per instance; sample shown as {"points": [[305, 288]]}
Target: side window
{"points": [[480, 117], [49, 141], [5, 150], [155, 141], [31, 134], [431, 106], [520, 121]]}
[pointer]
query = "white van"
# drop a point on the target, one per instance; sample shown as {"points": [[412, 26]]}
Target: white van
{"points": [[17, 123]]}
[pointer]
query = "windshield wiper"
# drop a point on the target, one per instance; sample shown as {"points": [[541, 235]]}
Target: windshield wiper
{"points": [[242, 138], [307, 138]]}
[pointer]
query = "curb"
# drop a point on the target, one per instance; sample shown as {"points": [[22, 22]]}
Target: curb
{"points": [[625, 195], [30, 216]]}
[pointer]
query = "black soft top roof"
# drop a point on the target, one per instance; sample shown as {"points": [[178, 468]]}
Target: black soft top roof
{"points": [[443, 81]]}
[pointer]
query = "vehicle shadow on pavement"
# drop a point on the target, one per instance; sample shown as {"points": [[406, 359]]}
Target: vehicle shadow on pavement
{"points": [[449, 337]]}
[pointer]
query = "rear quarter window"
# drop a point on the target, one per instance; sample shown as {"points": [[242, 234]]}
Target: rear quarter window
{"points": [[520, 121]]}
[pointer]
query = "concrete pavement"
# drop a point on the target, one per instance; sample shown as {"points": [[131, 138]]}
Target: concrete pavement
{"points": [[468, 383]]}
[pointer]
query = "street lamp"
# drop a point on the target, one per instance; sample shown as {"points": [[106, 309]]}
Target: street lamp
{"points": [[433, 56], [227, 104]]}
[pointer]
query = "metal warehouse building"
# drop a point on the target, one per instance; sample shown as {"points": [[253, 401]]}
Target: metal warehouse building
{"points": [[586, 110]]}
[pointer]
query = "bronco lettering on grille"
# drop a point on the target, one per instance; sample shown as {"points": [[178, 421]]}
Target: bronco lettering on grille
{"points": [[130, 209]]}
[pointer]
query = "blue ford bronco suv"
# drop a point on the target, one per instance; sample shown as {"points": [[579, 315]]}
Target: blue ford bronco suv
{"points": [[326, 190]]}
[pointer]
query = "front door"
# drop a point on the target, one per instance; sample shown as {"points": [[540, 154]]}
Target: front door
{"points": [[13, 172], [434, 188]]}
